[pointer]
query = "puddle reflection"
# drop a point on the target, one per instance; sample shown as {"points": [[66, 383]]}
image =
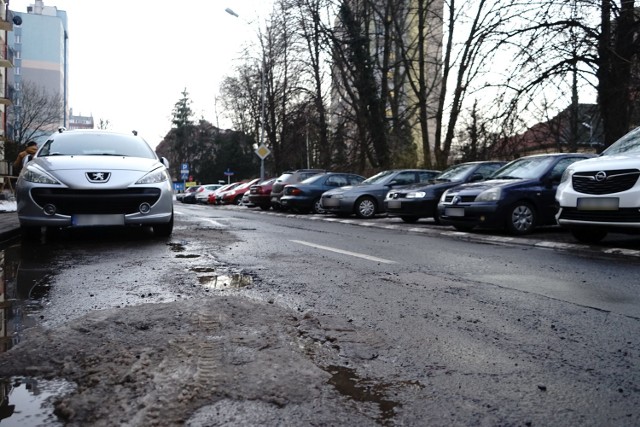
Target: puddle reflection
{"points": [[30, 402], [23, 285]]}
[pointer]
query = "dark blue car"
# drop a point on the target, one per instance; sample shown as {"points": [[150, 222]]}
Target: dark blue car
{"points": [[304, 196], [518, 197]]}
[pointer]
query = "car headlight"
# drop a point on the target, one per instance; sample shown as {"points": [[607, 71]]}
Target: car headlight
{"points": [[154, 177], [444, 196], [566, 175], [416, 195], [39, 177], [389, 195], [490, 195]]}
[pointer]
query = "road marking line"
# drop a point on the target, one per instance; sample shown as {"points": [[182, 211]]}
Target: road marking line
{"points": [[340, 251]]}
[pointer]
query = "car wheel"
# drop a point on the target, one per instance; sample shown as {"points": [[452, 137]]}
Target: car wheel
{"points": [[410, 219], [463, 227], [164, 229], [365, 207], [521, 218], [588, 236], [317, 207]]}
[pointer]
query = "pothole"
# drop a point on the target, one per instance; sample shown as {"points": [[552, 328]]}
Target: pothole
{"points": [[225, 281]]}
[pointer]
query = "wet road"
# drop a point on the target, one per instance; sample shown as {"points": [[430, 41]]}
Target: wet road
{"points": [[385, 326]]}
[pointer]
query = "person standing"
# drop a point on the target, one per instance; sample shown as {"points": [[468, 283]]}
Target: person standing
{"points": [[28, 152]]}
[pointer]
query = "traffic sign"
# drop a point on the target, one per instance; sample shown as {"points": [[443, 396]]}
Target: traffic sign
{"points": [[228, 172], [262, 151]]}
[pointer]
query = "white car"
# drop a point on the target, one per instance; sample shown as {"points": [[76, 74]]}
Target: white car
{"points": [[87, 178], [602, 195], [202, 194]]}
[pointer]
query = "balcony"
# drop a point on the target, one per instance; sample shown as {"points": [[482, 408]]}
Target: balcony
{"points": [[7, 24], [6, 57]]}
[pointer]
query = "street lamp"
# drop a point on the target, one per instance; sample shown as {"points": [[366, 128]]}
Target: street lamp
{"points": [[262, 100]]}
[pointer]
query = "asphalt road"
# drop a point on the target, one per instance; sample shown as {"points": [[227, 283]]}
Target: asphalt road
{"points": [[250, 318]]}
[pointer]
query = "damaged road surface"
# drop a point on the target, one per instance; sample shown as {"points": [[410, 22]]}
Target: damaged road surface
{"points": [[247, 319]]}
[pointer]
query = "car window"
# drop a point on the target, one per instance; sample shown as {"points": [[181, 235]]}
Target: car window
{"points": [[355, 179], [559, 168], [405, 178], [305, 175], [313, 179], [488, 169], [86, 144], [337, 181], [427, 176]]}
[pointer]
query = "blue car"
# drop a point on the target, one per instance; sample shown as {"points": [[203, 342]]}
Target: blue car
{"points": [[519, 196], [304, 197]]}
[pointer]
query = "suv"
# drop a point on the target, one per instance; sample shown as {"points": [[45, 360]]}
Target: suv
{"points": [[289, 177], [602, 195]]}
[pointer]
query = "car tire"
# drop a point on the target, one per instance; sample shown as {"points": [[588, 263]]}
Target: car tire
{"points": [[365, 207], [584, 235], [410, 219], [164, 229], [436, 217], [521, 218], [316, 207]]}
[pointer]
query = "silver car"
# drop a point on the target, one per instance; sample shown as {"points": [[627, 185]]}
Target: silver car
{"points": [[84, 178]]}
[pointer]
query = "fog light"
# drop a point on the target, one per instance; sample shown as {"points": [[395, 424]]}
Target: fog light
{"points": [[482, 218], [144, 208], [49, 209]]}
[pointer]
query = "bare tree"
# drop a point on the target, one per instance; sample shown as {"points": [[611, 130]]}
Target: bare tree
{"points": [[35, 112]]}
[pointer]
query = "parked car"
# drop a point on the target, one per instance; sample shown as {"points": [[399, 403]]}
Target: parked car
{"points": [[305, 196], [214, 197], [84, 178], [421, 200], [202, 194], [234, 196], [367, 198], [180, 196], [190, 197], [289, 177], [260, 194], [519, 196], [602, 195]]}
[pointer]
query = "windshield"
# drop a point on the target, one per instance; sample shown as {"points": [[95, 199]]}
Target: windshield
{"points": [[525, 168], [378, 178], [84, 144], [454, 173], [628, 144]]}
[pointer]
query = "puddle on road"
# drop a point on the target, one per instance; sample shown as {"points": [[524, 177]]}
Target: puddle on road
{"points": [[30, 402], [348, 383], [221, 281]]}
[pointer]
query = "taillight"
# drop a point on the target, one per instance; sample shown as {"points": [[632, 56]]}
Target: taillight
{"points": [[295, 191]]}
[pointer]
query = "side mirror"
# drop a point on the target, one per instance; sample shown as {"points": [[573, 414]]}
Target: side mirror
{"points": [[165, 162]]}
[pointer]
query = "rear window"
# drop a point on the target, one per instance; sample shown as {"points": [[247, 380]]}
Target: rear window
{"points": [[87, 144]]}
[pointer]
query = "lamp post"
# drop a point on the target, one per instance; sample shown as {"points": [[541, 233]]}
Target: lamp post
{"points": [[261, 151]]}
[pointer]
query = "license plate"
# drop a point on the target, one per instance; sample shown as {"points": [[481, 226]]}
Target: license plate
{"points": [[88, 220], [330, 203], [394, 204], [598, 203], [454, 211], [274, 199]]}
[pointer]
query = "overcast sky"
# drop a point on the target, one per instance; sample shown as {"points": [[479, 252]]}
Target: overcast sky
{"points": [[130, 61]]}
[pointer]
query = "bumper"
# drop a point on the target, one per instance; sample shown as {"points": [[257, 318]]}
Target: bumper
{"points": [[411, 207], [293, 202], [338, 206], [477, 215]]}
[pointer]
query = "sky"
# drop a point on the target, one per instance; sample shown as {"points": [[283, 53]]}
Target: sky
{"points": [[129, 62]]}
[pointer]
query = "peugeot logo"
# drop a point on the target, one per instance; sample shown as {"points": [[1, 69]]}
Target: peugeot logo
{"points": [[601, 176], [98, 177]]}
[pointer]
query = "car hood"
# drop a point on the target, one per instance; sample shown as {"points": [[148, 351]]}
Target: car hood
{"points": [[478, 187], [427, 186], [354, 188], [71, 170], [618, 161]]}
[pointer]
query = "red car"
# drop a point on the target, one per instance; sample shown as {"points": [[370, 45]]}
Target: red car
{"points": [[260, 194], [234, 196], [214, 196]]}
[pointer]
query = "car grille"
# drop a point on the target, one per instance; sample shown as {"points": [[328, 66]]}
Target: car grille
{"points": [[621, 215], [463, 199], [68, 202], [615, 182]]}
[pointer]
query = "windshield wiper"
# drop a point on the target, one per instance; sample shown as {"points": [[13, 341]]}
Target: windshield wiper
{"points": [[506, 177]]}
